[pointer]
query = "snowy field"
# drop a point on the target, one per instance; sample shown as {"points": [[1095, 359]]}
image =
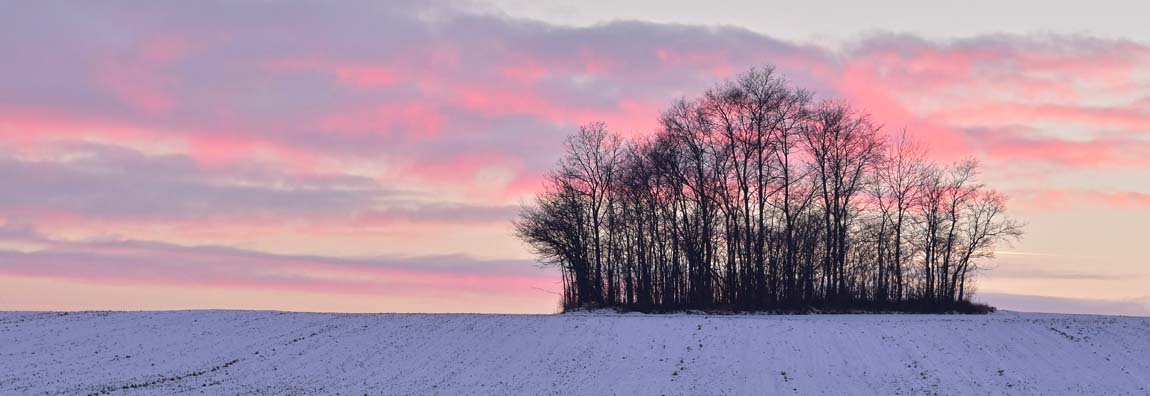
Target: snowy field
{"points": [[272, 353]]}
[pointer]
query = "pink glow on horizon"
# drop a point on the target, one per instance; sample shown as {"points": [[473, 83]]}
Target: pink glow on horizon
{"points": [[302, 276]]}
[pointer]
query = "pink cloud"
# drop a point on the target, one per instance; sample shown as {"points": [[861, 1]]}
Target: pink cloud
{"points": [[1066, 198], [1098, 118], [410, 122], [367, 76], [1026, 146], [941, 92], [141, 78], [359, 75], [143, 93]]}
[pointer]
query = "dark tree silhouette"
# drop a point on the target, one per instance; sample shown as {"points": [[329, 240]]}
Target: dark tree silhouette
{"points": [[756, 197]]}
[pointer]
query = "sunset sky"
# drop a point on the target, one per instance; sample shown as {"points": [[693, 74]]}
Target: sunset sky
{"points": [[368, 156]]}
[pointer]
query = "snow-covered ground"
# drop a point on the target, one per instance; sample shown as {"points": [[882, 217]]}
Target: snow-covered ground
{"points": [[273, 353]]}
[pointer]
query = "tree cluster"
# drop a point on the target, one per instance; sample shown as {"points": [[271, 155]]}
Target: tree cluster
{"points": [[755, 196]]}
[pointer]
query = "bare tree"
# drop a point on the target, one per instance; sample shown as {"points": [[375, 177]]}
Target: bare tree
{"points": [[753, 197], [844, 146], [899, 180]]}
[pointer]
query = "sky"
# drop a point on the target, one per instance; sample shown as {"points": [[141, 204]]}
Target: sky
{"points": [[368, 156]]}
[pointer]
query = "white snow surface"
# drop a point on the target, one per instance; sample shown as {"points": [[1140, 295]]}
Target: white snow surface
{"points": [[277, 353]]}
